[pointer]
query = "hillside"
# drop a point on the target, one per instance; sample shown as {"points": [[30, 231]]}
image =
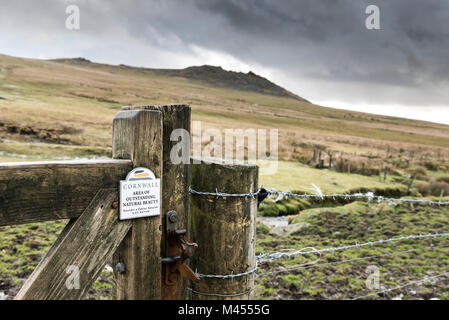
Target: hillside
{"points": [[212, 75], [235, 80], [73, 101]]}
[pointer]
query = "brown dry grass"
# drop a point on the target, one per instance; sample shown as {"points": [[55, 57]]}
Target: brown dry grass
{"points": [[82, 98]]}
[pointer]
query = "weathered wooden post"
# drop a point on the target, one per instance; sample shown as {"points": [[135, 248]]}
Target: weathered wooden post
{"points": [[410, 183], [175, 187], [137, 135], [175, 179], [321, 164], [224, 228]]}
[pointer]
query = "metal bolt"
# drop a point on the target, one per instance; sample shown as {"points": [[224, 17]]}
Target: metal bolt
{"points": [[173, 217], [120, 267], [114, 205]]}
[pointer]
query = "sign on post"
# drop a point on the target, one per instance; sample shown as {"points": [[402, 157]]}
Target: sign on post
{"points": [[140, 195]]}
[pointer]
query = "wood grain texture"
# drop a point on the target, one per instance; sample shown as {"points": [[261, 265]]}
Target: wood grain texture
{"points": [[224, 228], [86, 244], [175, 182], [137, 135], [42, 191]]}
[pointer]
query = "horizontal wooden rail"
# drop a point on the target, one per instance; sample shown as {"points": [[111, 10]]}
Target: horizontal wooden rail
{"points": [[42, 191]]}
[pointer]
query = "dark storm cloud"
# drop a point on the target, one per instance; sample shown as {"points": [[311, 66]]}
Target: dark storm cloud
{"points": [[317, 39], [413, 44], [321, 47]]}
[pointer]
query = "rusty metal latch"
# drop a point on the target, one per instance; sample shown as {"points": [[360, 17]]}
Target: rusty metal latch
{"points": [[178, 250]]}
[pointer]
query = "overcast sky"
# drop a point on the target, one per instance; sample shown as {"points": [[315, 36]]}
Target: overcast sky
{"points": [[319, 49]]}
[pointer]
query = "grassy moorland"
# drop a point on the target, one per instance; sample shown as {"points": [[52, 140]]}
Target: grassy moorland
{"points": [[74, 101], [56, 110], [327, 276]]}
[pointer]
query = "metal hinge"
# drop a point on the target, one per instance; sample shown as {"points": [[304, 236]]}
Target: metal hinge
{"points": [[178, 250]]}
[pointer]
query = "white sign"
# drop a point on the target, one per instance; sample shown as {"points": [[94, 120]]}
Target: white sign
{"points": [[140, 195]]}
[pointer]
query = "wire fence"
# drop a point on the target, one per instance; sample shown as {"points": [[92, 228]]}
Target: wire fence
{"points": [[367, 196], [221, 295], [266, 258], [308, 265], [228, 276], [404, 285], [309, 250]]}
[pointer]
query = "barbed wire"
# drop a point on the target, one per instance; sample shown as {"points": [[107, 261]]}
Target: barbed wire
{"points": [[369, 196], [311, 266], [218, 194], [415, 282], [220, 294], [266, 257], [228, 276]]}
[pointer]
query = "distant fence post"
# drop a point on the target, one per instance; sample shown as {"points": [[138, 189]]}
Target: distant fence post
{"points": [[175, 180], [137, 135], [225, 229]]}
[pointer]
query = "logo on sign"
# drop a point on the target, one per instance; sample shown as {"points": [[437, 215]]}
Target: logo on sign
{"points": [[140, 195]]}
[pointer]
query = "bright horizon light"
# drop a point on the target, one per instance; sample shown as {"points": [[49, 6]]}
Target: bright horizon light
{"points": [[435, 114]]}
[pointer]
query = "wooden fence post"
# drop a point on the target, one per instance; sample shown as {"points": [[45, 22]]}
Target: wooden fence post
{"points": [[225, 229], [137, 135], [175, 180]]}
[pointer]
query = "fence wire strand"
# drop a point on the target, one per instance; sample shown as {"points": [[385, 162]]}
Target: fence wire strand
{"points": [[368, 196], [218, 194], [404, 285], [265, 257], [220, 294], [261, 193], [268, 257], [228, 276], [311, 266]]}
